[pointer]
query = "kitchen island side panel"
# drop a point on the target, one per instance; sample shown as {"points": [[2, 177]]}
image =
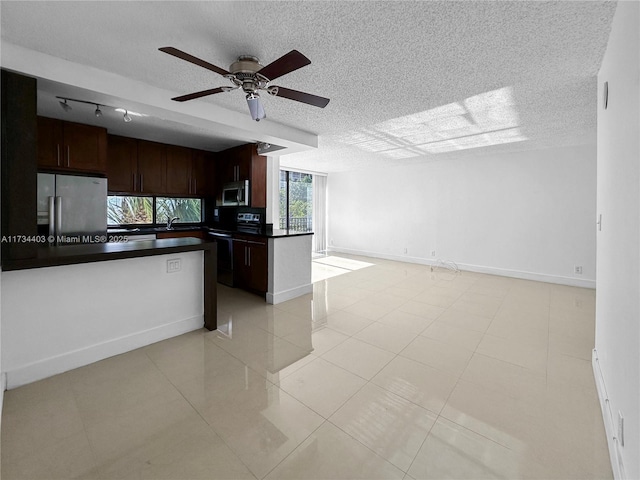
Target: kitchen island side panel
{"points": [[289, 268], [59, 318]]}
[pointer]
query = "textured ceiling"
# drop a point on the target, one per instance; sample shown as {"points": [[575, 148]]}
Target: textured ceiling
{"points": [[376, 61]]}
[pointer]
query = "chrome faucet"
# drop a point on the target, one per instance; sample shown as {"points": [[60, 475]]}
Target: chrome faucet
{"points": [[170, 222]]}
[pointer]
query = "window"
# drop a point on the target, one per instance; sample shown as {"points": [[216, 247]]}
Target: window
{"points": [[296, 201], [188, 210], [126, 210], [131, 210]]}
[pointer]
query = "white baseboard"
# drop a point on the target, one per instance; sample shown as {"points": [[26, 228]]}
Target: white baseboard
{"points": [[504, 272], [93, 353], [609, 424], [279, 297]]}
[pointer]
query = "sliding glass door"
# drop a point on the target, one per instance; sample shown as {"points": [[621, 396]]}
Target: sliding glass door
{"points": [[296, 201], [303, 205]]}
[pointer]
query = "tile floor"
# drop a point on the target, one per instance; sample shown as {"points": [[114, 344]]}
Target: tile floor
{"points": [[387, 371]]}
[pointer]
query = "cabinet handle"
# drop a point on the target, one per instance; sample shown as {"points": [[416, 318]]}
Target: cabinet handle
{"points": [[134, 181], [58, 153], [68, 156], [245, 255], [249, 248], [141, 182], [195, 185]]}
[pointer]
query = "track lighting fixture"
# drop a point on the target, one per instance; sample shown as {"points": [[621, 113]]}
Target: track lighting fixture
{"points": [[98, 112], [65, 106]]}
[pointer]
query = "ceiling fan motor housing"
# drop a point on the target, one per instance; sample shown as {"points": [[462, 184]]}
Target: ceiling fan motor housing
{"points": [[244, 73]]}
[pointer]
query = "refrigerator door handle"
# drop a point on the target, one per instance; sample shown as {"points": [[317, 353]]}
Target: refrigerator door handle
{"points": [[52, 217], [58, 216]]}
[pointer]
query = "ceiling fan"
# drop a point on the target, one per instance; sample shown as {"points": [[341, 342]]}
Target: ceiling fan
{"points": [[248, 73]]}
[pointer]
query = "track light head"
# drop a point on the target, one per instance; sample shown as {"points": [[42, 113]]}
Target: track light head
{"points": [[126, 117], [65, 106], [98, 112]]}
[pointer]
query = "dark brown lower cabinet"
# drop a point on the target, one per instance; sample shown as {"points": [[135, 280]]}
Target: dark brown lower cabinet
{"points": [[250, 264]]}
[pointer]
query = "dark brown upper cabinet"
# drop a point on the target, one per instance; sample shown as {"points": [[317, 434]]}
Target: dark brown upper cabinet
{"points": [[203, 173], [74, 147], [243, 163], [139, 166], [152, 167], [122, 164], [179, 174]]}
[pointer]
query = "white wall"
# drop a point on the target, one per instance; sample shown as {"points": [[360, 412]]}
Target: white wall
{"points": [[58, 318], [618, 285], [527, 214]]}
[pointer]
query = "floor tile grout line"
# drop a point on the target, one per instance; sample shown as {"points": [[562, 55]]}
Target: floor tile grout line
{"points": [[84, 429], [203, 419], [296, 448]]}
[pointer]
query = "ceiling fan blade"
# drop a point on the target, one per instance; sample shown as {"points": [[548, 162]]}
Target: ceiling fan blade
{"points": [[303, 97], [285, 64], [204, 93], [195, 60]]}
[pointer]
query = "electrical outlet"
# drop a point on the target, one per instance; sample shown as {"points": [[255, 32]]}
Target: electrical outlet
{"points": [[433, 253], [577, 269], [174, 265]]}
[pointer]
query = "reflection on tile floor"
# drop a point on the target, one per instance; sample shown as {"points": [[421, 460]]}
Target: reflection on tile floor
{"points": [[388, 371]]}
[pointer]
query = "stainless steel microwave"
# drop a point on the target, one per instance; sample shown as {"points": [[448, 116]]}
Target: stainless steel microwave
{"points": [[236, 193]]}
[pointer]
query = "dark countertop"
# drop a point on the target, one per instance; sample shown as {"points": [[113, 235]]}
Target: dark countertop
{"points": [[277, 233], [98, 252]]}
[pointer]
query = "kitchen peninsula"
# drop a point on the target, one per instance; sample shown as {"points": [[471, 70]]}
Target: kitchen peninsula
{"points": [[76, 304]]}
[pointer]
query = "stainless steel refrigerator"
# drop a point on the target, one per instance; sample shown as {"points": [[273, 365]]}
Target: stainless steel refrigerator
{"points": [[73, 207]]}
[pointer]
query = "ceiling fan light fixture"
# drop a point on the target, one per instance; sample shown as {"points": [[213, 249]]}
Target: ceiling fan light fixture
{"points": [[65, 106], [255, 107]]}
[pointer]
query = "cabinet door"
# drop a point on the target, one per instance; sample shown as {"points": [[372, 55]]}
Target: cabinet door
{"points": [[243, 165], [122, 164], [85, 147], [203, 173], [152, 167], [178, 170], [228, 171], [50, 154], [258, 183], [258, 266]]}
